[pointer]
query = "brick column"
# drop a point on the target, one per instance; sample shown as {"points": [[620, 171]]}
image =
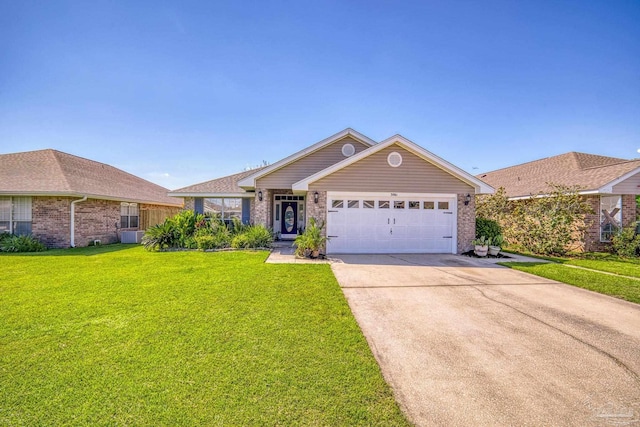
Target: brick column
{"points": [[466, 223], [317, 210]]}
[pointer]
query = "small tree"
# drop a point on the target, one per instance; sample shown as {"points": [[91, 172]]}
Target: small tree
{"points": [[552, 223]]}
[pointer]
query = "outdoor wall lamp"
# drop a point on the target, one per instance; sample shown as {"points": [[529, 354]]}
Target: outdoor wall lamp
{"points": [[260, 195], [466, 199], [316, 197]]}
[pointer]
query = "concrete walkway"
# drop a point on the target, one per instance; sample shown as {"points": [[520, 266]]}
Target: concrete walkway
{"points": [[463, 341]]}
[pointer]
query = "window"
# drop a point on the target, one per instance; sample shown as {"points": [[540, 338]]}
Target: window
{"points": [[383, 204], [414, 205], [337, 204], [351, 204], [367, 204], [398, 204], [224, 208], [429, 205], [15, 215], [443, 205], [610, 216], [128, 215]]}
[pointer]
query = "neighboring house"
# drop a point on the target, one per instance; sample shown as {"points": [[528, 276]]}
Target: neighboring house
{"points": [[64, 200], [609, 184], [391, 196]]}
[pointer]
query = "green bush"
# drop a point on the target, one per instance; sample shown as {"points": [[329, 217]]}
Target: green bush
{"points": [[253, 237], [488, 228], [160, 236], [13, 243], [217, 237], [626, 243]]}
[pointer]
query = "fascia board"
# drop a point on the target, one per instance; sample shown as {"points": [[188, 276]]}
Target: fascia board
{"points": [[250, 181], [227, 195], [608, 187], [88, 195]]}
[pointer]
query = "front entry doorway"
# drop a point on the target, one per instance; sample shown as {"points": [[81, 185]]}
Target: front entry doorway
{"points": [[288, 217]]}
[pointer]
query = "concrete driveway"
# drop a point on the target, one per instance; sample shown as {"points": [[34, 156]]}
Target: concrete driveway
{"points": [[464, 342]]}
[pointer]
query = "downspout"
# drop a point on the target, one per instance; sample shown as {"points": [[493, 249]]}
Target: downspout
{"points": [[73, 220]]}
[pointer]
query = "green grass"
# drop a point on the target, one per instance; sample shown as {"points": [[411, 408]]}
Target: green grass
{"points": [[115, 335], [619, 287]]}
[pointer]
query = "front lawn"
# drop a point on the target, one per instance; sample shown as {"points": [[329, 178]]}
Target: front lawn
{"points": [[116, 335], [616, 286]]}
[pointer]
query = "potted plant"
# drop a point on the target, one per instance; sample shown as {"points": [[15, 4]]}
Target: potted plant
{"points": [[495, 245], [481, 246], [311, 240]]}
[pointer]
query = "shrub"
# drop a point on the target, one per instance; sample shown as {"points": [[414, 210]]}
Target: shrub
{"points": [[13, 243], [311, 240], [626, 243], [253, 237], [218, 237], [488, 228], [160, 236]]}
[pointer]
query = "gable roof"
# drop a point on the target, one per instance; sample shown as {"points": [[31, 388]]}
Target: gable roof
{"points": [[249, 182], [477, 184], [226, 186], [592, 173], [54, 173]]}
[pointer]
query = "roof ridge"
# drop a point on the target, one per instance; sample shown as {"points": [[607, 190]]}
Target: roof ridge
{"points": [[55, 153]]}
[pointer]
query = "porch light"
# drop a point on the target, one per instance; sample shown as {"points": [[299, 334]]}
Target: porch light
{"points": [[316, 197], [260, 195], [466, 199]]}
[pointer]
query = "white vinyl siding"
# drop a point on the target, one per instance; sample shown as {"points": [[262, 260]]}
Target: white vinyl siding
{"points": [[15, 215]]}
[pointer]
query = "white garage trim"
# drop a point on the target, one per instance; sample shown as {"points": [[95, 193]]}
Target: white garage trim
{"points": [[391, 222]]}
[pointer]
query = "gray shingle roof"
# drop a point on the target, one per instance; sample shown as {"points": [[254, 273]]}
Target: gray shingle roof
{"points": [[225, 184], [588, 171], [52, 172]]}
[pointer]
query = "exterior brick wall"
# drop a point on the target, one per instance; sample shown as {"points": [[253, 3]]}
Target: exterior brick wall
{"points": [[628, 210], [466, 223], [189, 203], [263, 210], [51, 220], [592, 241], [317, 210], [94, 220], [97, 220]]}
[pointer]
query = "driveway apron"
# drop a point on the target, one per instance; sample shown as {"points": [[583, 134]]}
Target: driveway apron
{"points": [[463, 342]]}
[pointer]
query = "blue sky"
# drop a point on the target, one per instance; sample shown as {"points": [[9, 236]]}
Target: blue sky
{"points": [[183, 92]]}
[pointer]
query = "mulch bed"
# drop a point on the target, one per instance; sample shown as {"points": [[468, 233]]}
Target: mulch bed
{"points": [[472, 254]]}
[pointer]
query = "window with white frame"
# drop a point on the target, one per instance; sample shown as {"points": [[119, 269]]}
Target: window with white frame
{"points": [[129, 215], [15, 215], [610, 216], [223, 208]]}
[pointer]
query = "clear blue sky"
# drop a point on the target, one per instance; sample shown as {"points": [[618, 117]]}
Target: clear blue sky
{"points": [[182, 92]]}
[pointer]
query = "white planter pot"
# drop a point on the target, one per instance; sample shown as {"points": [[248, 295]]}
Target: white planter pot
{"points": [[494, 250], [481, 250]]}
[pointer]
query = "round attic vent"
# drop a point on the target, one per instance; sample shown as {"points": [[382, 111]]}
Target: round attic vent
{"points": [[348, 150], [394, 159]]}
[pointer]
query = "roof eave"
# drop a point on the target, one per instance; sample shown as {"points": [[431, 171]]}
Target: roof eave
{"points": [[88, 195], [211, 194]]}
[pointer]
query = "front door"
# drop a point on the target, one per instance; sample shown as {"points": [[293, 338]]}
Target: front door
{"points": [[289, 215]]}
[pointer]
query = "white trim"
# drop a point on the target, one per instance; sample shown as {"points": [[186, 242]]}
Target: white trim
{"points": [[243, 195], [479, 186], [90, 196], [249, 182], [608, 188], [389, 194]]}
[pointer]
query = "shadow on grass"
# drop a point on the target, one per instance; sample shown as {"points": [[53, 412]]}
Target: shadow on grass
{"points": [[521, 264], [86, 251]]}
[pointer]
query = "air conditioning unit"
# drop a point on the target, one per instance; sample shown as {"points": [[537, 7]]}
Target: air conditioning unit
{"points": [[131, 236]]}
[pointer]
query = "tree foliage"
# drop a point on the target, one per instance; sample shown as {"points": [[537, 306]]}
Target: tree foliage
{"points": [[550, 224]]}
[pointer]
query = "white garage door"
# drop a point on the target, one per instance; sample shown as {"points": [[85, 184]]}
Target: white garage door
{"points": [[384, 223]]}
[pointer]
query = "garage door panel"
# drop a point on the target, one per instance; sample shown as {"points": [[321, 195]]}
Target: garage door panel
{"points": [[383, 224]]}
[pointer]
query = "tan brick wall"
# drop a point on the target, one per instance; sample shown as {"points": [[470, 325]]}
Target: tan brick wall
{"points": [[189, 203], [317, 210], [97, 220], [51, 220], [466, 223], [263, 210]]}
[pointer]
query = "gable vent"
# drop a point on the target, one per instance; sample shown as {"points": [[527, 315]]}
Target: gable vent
{"points": [[348, 150], [394, 159]]}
